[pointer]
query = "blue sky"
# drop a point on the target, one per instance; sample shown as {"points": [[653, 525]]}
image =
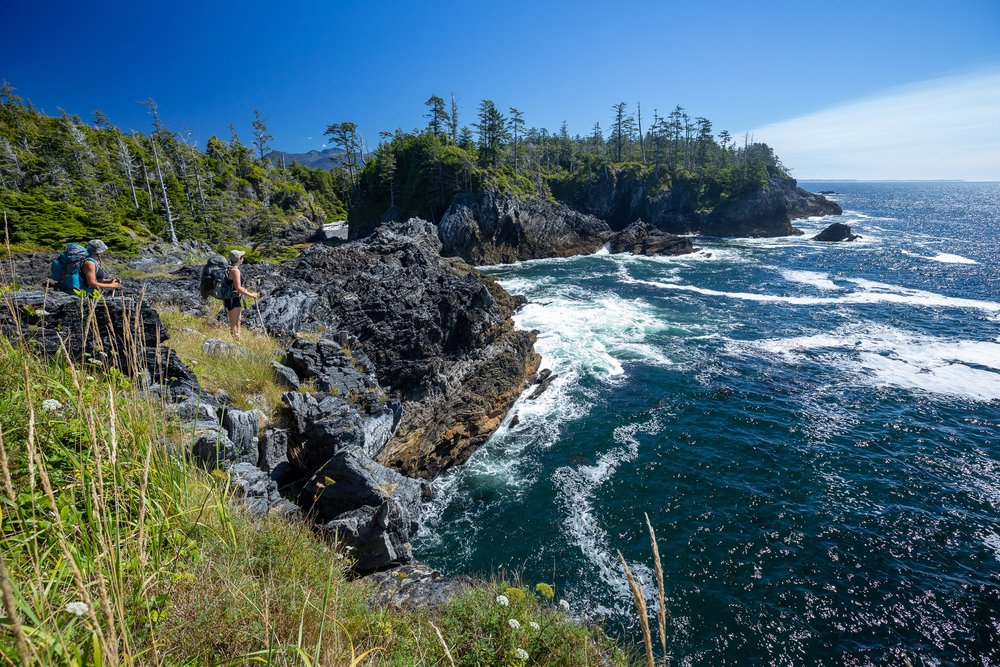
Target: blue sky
{"points": [[745, 66]]}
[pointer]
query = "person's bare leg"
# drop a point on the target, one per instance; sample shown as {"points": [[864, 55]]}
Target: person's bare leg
{"points": [[234, 316]]}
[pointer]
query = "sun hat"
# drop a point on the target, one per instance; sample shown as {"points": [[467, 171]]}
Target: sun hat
{"points": [[234, 255], [96, 247]]}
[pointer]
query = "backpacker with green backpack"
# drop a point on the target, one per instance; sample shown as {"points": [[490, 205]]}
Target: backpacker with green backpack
{"points": [[215, 279], [65, 269]]}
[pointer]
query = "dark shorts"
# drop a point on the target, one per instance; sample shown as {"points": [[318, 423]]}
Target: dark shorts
{"points": [[233, 302]]}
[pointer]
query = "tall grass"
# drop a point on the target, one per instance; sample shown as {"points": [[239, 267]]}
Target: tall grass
{"points": [[114, 549]]}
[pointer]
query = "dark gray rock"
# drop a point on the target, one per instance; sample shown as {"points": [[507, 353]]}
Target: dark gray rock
{"points": [[836, 232], [210, 445], [243, 427], [415, 586], [767, 212], [321, 426], [641, 238], [273, 449], [379, 423], [259, 494], [496, 228], [545, 378], [194, 409], [372, 509], [439, 334], [336, 369], [286, 375]]}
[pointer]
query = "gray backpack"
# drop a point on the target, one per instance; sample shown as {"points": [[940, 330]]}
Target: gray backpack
{"points": [[215, 279]]}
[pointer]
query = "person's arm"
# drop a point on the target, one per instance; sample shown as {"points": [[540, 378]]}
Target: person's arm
{"points": [[234, 275], [89, 271]]}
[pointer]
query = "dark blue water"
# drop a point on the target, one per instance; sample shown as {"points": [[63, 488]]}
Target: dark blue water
{"points": [[813, 429]]}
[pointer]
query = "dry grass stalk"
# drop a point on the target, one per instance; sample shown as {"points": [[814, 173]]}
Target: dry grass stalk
{"points": [[12, 616], [444, 644], [640, 606], [662, 611]]}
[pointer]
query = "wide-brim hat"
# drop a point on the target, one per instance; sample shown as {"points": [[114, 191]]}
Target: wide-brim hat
{"points": [[234, 255], [96, 247]]}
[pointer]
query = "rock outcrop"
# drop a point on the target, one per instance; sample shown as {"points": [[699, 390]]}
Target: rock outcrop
{"points": [[641, 238], [493, 228], [767, 212], [438, 332], [836, 232]]}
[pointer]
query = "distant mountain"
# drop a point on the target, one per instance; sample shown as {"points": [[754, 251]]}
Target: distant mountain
{"points": [[327, 158]]}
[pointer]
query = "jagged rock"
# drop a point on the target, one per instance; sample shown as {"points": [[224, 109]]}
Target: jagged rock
{"points": [[273, 449], [545, 378], [220, 347], [335, 369], [495, 228], [322, 425], [211, 446], [194, 409], [379, 423], [641, 238], [767, 212], [370, 507], [286, 375], [242, 427], [836, 232], [438, 332], [415, 586], [256, 489]]}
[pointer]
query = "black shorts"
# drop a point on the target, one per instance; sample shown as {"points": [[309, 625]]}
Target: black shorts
{"points": [[233, 302]]}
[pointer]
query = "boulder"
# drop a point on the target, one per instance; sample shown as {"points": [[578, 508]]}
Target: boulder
{"points": [[258, 492], [373, 508], [336, 369], [415, 586], [273, 449], [286, 375], [242, 428], [836, 232], [210, 445], [438, 332], [496, 228], [641, 238]]}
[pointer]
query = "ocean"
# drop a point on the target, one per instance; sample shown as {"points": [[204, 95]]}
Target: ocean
{"points": [[813, 430]]}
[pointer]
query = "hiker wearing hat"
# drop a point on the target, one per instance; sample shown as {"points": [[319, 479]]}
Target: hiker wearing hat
{"points": [[234, 305], [92, 269]]}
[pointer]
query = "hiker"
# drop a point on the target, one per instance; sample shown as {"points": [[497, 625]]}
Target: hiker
{"points": [[234, 304], [92, 269]]}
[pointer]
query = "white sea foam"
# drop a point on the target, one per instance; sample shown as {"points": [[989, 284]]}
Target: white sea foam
{"points": [[943, 257], [577, 486], [870, 292], [880, 355], [814, 278]]}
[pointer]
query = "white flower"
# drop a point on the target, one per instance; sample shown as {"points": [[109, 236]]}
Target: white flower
{"points": [[51, 405], [513, 623], [41, 313], [535, 626], [522, 654], [503, 601], [564, 605], [77, 608]]}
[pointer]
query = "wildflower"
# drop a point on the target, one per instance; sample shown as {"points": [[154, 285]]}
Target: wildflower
{"points": [[51, 405], [503, 601], [77, 608], [545, 590], [535, 626], [40, 312], [516, 595], [514, 624], [522, 654], [564, 605]]}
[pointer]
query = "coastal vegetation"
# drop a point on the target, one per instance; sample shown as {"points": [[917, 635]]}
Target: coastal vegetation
{"points": [[63, 179], [115, 548]]}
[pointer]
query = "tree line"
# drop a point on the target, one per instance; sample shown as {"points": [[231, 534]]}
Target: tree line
{"points": [[62, 179]]}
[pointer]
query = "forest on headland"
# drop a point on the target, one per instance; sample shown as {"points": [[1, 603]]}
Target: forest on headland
{"points": [[64, 179]]}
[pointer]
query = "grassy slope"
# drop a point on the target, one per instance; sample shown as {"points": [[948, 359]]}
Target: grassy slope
{"points": [[169, 571]]}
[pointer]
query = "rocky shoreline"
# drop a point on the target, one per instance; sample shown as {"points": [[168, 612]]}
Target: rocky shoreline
{"points": [[410, 354]]}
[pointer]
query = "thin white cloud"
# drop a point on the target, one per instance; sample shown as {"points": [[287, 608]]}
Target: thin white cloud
{"points": [[941, 128]]}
